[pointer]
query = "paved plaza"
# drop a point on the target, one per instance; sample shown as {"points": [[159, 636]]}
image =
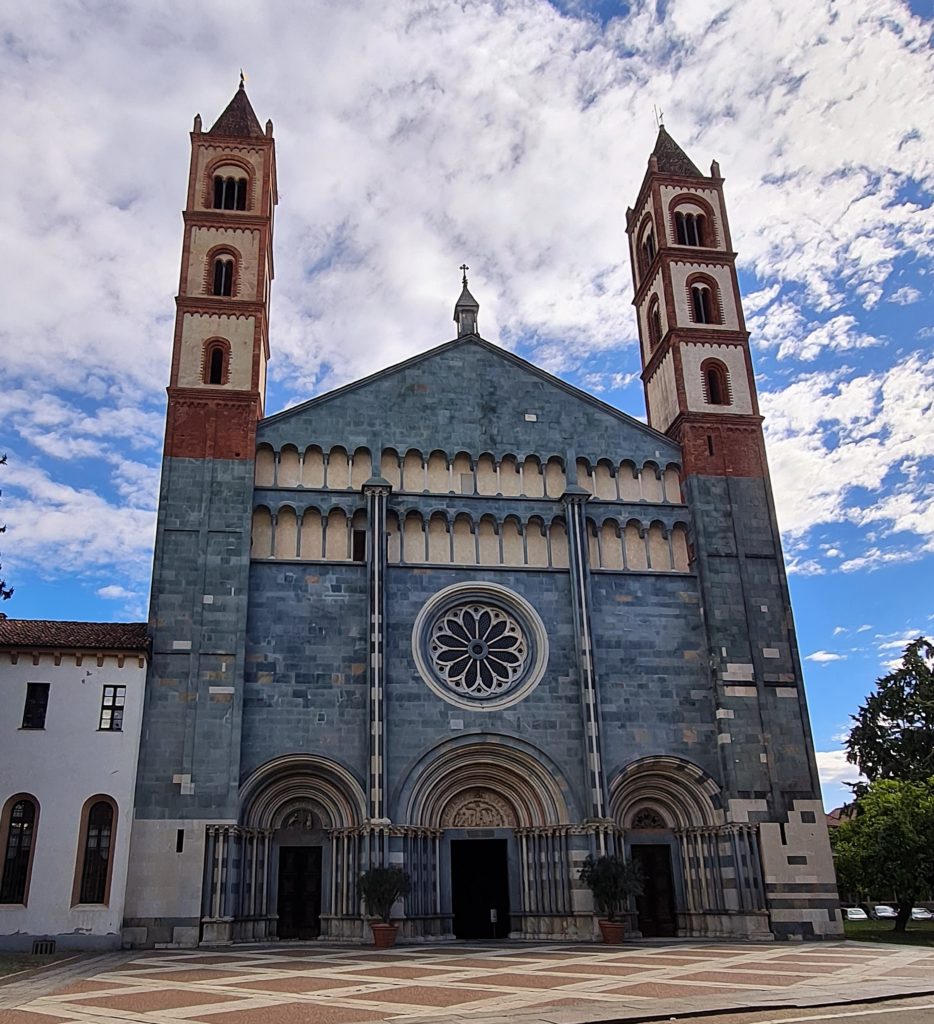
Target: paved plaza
{"points": [[470, 983]]}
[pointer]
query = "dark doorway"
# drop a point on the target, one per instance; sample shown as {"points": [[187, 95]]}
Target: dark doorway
{"points": [[480, 888], [656, 905], [299, 899]]}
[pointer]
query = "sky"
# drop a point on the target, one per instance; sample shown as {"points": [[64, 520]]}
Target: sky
{"points": [[416, 135]]}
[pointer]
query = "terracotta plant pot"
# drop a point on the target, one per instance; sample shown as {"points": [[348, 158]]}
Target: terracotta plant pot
{"points": [[613, 932], [384, 935]]}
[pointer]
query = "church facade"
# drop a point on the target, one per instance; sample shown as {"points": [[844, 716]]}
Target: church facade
{"points": [[463, 618]]}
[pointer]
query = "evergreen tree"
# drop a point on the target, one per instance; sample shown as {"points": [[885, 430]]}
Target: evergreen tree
{"points": [[893, 737]]}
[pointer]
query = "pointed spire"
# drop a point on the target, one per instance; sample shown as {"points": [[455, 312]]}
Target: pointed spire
{"points": [[671, 158], [238, 120], [466, 309]]}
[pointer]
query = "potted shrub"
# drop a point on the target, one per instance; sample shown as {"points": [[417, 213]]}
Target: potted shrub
{"points": [[612, 880], [380, 888]]}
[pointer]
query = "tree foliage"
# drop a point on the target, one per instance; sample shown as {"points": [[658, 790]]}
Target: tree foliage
{"points": [[888, 847], [5, 592], [893, 737], [612, 879]]}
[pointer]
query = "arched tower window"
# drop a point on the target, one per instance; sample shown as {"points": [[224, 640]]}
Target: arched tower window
{"points": [[17, 851], [229, 193], [216, 369], [716, 383], [648, 250], [223, 275], [691, 229], [655, 323], [97, 850], [704, 301], [216, 362]]}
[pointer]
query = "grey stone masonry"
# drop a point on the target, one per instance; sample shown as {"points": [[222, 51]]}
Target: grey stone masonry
{"points": [[190, 750]]}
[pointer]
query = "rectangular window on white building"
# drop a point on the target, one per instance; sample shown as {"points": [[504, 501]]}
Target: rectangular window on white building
{"points": [[112, 708], [37, 703]]}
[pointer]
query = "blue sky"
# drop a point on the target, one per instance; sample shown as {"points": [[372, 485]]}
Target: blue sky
{"points": [[413, 136]]}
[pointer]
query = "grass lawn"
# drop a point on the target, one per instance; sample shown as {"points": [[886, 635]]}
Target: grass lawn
{"points": [[12, 963], [919, 933]]}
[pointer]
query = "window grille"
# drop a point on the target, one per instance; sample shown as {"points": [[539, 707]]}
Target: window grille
{"points": [[17, 852], [112, 705], [97, 853]]}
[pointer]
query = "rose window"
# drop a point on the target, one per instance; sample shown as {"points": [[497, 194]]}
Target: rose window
{"points": [[477, 649]]}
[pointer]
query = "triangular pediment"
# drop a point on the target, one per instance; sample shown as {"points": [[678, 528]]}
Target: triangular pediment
{"points": [[467, 395]]}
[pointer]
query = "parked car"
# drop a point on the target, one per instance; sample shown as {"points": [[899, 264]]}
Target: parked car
{"points": [[856, 914], [882, 912], [921, 914]]}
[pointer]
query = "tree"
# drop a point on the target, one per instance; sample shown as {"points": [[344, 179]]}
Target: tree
{"points": [[5, 592], [612, 880], [893, 737], [889, 845]]}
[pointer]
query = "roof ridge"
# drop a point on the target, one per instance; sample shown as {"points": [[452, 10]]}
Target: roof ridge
{"points": [[497, 350], [238, 118]]}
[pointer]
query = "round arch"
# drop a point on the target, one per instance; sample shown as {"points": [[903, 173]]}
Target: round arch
{"points": [[286, 783], [519, 774], [683, 793]]}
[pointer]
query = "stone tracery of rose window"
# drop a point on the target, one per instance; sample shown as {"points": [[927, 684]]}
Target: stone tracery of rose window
{"points": [[478, 649]]}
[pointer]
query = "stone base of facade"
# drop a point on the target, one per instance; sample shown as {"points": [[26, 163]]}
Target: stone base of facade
{"points": [[160, 933], [22, 942]]}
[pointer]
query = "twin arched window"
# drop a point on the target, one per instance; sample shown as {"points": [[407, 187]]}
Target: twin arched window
{"points": [[17, 851], [704, 299], [717, 389], [223, 275], [229, 193], [647, 249], [691, 229]]}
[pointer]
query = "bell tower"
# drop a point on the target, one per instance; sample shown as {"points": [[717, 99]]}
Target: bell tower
{"points": [[696, 367], [218, 377], [700, 390], [188, 776]]}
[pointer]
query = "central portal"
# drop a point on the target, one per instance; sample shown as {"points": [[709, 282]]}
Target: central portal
{"points": [[299, 897], [656, 905], [480, 888]]}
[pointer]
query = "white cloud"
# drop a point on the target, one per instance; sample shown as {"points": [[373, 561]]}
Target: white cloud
{"points": [[57, 528], [786, 330], [412, 137], [905, 295], [114, 592], [835, 439], [900, 642], [839, 629], [823, 657], [834, 769], [864, 628]]}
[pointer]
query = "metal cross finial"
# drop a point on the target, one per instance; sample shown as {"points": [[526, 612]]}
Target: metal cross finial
{"points": [[659, 117], [242, 78], [464, 268]]}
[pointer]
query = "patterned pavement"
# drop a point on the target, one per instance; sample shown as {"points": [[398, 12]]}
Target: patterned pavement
{"points": [[470, 983]]}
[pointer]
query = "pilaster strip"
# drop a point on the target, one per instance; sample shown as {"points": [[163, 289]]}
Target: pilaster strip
{"points": [[580, 595]]}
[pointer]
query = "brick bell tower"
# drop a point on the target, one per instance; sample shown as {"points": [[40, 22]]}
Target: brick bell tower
{"points": [[700, 390], [218, 379], [189, 762]]}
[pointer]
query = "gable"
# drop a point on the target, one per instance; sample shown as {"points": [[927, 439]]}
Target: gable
{"points": [[468, 395]]}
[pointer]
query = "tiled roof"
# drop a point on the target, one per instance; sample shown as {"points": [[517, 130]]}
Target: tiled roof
{"points": [[238, 119], [123, 636], [671, 157]]}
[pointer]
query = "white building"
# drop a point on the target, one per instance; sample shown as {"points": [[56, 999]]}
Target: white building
{"points": [[71, 698]]}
